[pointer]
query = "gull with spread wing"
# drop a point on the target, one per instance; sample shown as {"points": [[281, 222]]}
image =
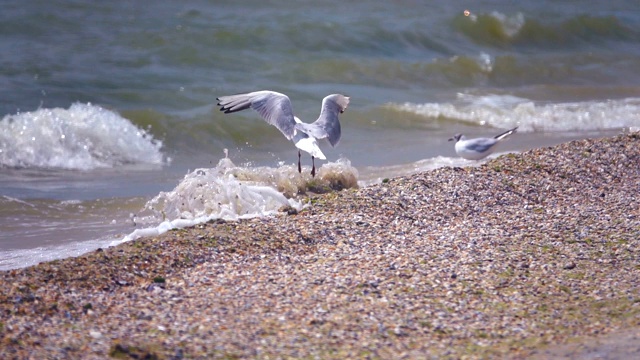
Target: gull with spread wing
{"points": [[275, 108], [480, 148]]}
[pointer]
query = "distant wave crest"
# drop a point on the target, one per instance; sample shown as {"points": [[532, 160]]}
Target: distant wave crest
{"points": [[504, 111], [83, 137], [498, 29]]}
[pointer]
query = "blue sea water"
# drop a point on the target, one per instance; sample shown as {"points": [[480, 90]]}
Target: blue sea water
{"points": [[105, 106]]}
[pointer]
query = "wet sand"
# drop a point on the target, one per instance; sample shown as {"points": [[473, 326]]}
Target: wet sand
{"points": [[512, 259]]}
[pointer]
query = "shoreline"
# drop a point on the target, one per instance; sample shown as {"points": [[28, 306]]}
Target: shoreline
{"points": [[523, 252]]}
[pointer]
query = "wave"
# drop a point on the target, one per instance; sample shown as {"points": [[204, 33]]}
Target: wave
{"points": [[471, 70], [364, 37], [418, 39], [498, 29], [83, 137], [453, 71], [505, 111]]}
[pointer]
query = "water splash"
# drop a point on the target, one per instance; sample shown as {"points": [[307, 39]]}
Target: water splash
{"points": [[230, 192], [233, 192]]}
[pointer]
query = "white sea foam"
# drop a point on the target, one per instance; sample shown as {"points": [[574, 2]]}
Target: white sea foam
{"points": [[505, 111], [83, 137]]}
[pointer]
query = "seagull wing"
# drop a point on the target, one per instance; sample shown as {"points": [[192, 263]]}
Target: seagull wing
{"points": [[328, 125], [480, 145], [275, 108]]}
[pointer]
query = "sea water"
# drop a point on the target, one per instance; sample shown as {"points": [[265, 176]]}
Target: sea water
{"points": [[109, 128]]}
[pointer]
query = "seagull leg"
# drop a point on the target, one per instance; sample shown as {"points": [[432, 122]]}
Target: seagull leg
{"points": [[313, 169], [299, 166]]}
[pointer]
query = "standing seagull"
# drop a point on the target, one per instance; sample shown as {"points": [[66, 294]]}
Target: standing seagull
{"points": [[480, 148], [276, 109]]}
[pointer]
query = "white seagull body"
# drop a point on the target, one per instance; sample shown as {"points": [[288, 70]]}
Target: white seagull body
{"points": [[307, 143], [480, 148], [275, 108]]}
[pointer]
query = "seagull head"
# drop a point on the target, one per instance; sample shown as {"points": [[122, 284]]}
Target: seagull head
{"points": [[341, 102]]}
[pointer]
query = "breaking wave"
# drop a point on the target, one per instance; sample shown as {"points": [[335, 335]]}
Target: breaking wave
{"points": [[83, 137]]}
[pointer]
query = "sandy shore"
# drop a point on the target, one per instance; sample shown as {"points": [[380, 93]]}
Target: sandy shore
{"points": [[511, 259]]}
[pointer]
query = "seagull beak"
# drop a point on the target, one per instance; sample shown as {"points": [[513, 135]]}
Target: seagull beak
{"points": [[451, 139]]}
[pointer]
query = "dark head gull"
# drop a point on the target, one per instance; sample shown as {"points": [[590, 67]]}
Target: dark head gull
{"points": [[479, 148]]}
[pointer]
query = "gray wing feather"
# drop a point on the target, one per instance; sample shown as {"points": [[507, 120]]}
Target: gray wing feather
{"points": [[328, 125], [481, 145], [273, 107]]}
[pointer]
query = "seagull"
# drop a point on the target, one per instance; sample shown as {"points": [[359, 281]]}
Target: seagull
{"points": [[480, 148], [275, 108]]}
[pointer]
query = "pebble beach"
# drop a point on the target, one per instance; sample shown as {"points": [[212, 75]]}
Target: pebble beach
{"points": [[535, 254]]}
